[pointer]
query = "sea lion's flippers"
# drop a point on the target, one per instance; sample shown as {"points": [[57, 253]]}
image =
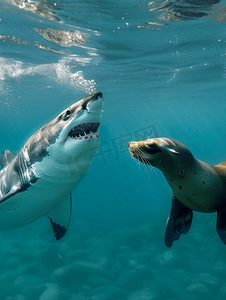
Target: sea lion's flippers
{"points": [[179, 222], [221, 221]]}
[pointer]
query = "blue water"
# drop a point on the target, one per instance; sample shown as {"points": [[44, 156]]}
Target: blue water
{"points": [[161, 67]]}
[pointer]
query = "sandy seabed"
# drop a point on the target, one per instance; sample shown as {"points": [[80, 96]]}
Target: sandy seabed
{"points": [[97, 263]]}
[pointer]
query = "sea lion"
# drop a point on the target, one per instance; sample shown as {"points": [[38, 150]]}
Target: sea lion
{"points": [[195, 184]]}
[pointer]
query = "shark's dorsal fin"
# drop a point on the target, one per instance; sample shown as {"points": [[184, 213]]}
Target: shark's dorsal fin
{"points": [[6, 157], [60, 217]]}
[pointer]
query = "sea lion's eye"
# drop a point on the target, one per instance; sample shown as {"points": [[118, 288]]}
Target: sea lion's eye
{"points": [[177, 153], [68, 112], [174, 152]]}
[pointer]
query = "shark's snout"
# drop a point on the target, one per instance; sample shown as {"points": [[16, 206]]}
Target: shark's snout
{"points": [[96, 104], [85, 120]]}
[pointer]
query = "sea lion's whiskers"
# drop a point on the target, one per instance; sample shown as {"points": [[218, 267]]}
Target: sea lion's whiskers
{"points": [[144, 164], [132, 156], [144, 160], [138, 154]]}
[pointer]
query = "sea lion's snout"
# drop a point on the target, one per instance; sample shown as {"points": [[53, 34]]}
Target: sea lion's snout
{"points": [[141, 150], [135, 147], [132, 145]]}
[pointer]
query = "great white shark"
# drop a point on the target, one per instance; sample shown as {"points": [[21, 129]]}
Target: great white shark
{"points": [[39, 180]]}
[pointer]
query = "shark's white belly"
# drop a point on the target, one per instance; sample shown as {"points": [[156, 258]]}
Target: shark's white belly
{"points": [[39, 199]]}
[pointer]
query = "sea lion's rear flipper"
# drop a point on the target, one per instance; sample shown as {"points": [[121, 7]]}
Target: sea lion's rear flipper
{"points": [[221, 221], [179, 222]]}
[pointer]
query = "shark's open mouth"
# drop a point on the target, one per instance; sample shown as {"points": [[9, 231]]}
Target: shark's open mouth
{"points": [[85, 131]]}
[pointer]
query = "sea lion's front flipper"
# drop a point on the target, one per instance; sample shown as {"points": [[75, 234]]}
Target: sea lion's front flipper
{"points": [[221, 221], [179, 222]]}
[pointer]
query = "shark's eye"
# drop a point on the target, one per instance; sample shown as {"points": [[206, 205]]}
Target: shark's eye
{"points": [[68, 112]]}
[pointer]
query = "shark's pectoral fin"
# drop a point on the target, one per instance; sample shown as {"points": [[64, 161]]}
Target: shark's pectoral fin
{"points": [[221, 221], [60, 217], [6, 157], [179, 222], [9, 194]]}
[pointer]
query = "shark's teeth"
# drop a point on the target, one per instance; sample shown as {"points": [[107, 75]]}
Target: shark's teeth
{"points": [[86, 131], [87, 136]]}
